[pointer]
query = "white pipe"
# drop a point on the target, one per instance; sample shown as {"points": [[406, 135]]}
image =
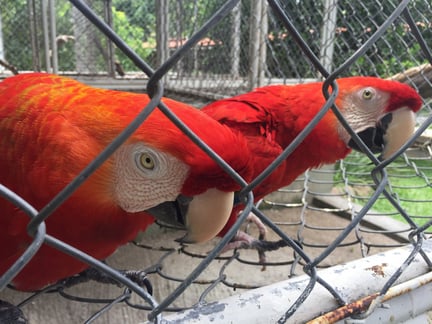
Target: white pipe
{"points": [[399, 304], [353, 281]]}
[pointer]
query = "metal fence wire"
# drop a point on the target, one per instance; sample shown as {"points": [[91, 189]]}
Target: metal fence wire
{"points": [[358, 207]]}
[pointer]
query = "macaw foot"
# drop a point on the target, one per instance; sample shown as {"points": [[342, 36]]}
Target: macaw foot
{"points": [[11, 314], [243, 240], [262, 229], [91, 274]]}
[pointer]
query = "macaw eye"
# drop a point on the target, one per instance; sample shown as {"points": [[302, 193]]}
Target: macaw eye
{"points": [[367, 94], [146, 161]]}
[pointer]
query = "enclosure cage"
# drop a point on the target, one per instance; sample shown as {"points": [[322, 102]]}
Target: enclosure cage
{"points": [[354, 236]]}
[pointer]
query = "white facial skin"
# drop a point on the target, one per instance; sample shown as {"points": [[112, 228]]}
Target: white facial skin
{"points": [[362, 109], [146, 177], [366, 106]]}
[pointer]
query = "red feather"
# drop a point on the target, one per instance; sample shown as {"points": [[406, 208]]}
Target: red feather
{"points": [[272, 116]]}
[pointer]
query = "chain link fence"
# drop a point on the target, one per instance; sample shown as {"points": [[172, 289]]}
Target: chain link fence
{"points": [[215, 49]]}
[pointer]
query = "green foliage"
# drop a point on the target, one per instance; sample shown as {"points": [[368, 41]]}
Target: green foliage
{"points": [[410, 184], [140, 14], [285, 59], [135, 36], [356, 23], [16, 36], [135, 22]]}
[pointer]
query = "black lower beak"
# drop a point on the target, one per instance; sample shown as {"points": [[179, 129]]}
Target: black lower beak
{"points": [[172, 212], [373, 137]]}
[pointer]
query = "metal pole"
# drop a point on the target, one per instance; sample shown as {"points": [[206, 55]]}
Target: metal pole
{"points": [[235, 41], [2, 56], [46, 35], [33, 35], [110, 48], [53, 29], [262, 63], [254, 42], [162, 31], [328, 34]]}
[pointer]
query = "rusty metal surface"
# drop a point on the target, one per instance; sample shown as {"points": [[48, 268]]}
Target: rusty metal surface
{"points": [[359, 281]]}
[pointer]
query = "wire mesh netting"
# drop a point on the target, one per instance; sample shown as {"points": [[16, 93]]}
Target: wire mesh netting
{"points": [[58, 38], [357, 207]]}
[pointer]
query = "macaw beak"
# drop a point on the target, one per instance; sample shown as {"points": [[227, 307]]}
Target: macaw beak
{"points": [[203, 216], [389, 134]]}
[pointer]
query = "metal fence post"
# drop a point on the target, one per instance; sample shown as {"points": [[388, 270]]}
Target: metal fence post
{"points": [[257, 54], [328, 34], [162, 31], [235, 41]]}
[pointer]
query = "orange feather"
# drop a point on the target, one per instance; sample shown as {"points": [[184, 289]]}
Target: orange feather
{"points": [[51, 127]]}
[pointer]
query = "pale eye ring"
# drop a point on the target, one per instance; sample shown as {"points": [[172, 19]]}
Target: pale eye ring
{"points": [[367, 94], [145, 161]]}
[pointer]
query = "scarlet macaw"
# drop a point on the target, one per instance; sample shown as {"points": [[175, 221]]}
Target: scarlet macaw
{"points": [[52, 127], [380, 111]]}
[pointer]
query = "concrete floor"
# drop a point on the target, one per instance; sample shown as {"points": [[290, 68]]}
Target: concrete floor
{"points": [[53, 309]]}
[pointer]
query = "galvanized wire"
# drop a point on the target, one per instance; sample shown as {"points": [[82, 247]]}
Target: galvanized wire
{"points": [[360, 192]]}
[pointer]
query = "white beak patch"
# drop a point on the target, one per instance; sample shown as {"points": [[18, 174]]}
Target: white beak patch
{"points": [[399, 131], [207, 215]]}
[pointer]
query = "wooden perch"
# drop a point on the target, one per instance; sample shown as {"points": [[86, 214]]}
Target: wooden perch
{"points": [[8, 66], [420, 76]]}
